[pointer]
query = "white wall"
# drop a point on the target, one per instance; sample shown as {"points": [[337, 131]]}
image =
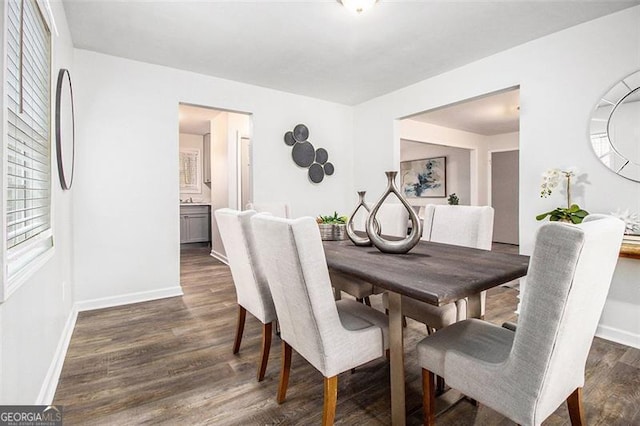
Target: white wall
{"points": [[220, 172], [32, 320], [188, 141], [127, 234], [458, 169], [561, 77]]}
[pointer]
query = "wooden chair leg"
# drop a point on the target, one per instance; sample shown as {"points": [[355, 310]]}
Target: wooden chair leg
{"points": [[359, 300], [266, 346], [330, 400], [428, 397], [367, 301], [576, 411], [284, 372], [242, 315]]}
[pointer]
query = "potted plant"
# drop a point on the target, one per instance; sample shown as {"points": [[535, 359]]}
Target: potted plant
{"points": [[550, 181], [333, 228]]}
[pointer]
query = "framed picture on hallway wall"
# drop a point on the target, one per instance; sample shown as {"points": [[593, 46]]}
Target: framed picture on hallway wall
{"points": [[190, 171], [424, 178]]}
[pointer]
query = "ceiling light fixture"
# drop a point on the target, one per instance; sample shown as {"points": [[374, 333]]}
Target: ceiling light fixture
{"points": [[358, 6]]}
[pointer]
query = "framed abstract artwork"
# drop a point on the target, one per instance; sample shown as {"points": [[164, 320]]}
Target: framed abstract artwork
{"points": [[425, 178]]}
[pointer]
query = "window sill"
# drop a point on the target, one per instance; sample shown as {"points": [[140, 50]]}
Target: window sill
{"points": [[27, 272]]}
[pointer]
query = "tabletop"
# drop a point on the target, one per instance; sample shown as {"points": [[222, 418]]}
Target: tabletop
{"points": [[431, 272]]}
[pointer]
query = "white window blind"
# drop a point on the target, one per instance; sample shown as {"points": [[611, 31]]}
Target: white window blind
{"points": [[28, 152]]}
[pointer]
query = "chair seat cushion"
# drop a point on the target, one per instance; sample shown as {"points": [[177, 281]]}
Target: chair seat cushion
{"points": [[353, 286], [475, 338], [356, 316]]}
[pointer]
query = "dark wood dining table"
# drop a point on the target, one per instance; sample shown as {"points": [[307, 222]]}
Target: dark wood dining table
{"points": [[431, 272]]}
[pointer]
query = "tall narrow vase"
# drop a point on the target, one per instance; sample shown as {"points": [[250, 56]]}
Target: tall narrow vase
{"points": [[389, 246], [357, 239]]}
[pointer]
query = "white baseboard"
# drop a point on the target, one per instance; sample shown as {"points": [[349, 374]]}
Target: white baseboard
{"points": [[127, 299], [618, 336], [221, 257], [50, 384]]}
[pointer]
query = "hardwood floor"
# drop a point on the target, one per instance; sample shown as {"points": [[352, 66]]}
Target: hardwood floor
{"points": [[170, 362]]}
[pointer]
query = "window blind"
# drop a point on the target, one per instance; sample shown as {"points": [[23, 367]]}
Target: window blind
{"points": [[28, 152]]}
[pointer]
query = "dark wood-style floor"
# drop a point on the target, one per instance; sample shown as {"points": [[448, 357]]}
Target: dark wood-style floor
{"points": [[170, 361]]}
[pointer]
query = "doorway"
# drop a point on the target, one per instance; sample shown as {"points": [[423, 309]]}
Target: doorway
{"points": [[468, 134], [214, 171]]}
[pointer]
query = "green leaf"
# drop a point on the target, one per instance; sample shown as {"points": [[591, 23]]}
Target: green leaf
{"points": [[542, 216], [574, 208], [582, 213], [576, 219]]}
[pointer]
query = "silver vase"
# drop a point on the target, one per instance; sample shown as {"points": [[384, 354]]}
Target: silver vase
{"points": [[358, 240], [389, 246]]}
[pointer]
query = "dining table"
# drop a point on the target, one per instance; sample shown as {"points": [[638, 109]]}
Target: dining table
{"points": [[434, 273]]}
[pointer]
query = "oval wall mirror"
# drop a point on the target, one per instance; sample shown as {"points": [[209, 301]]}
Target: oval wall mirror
{"points": [[615, 128], [65, 129]]}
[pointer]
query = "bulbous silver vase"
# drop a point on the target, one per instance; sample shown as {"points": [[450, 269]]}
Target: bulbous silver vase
{"points": [[389, 246]]}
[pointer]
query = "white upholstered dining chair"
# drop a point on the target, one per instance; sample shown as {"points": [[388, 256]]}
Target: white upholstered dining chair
{"points": [[334, 336], [252, 290], [393, 220], [468, 226], [525, 375]]}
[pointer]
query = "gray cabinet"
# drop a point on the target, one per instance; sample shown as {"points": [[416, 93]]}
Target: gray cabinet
{"points": [[206, 158], [195, 224]]}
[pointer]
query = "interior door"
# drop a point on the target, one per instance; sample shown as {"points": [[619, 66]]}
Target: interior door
{"points": [[505, 196]]}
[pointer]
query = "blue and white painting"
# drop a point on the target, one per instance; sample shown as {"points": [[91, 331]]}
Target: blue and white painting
{"points": [[424, 178]]}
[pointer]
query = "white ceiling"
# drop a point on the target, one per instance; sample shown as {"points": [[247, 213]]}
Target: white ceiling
{"points": [[316, 47], [488, 115], [196, 120]]}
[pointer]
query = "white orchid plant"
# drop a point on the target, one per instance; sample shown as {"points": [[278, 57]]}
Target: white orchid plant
{"points": [[550, 181]]}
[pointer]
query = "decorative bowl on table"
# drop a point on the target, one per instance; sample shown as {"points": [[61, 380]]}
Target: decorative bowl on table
{"points": [[332, 228]]}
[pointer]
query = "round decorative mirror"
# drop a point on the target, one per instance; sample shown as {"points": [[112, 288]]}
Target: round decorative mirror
{"points": [[615, 128], [65, 129]]}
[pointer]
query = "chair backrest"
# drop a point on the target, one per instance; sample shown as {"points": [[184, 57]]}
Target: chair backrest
{"points": [[567, 284], [276, 209], [393, 219], [251, 284], [469, 226], [296, 268]]}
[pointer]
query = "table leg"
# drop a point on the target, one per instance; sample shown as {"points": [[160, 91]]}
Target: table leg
{"points": [[474, 306], [396, 346]]}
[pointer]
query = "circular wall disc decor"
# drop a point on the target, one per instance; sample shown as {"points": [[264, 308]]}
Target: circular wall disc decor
{"points": [[328, 169], [303, 154], [289, 139], [301, 133], [316, 173], [65, 129], [321, 155]]}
